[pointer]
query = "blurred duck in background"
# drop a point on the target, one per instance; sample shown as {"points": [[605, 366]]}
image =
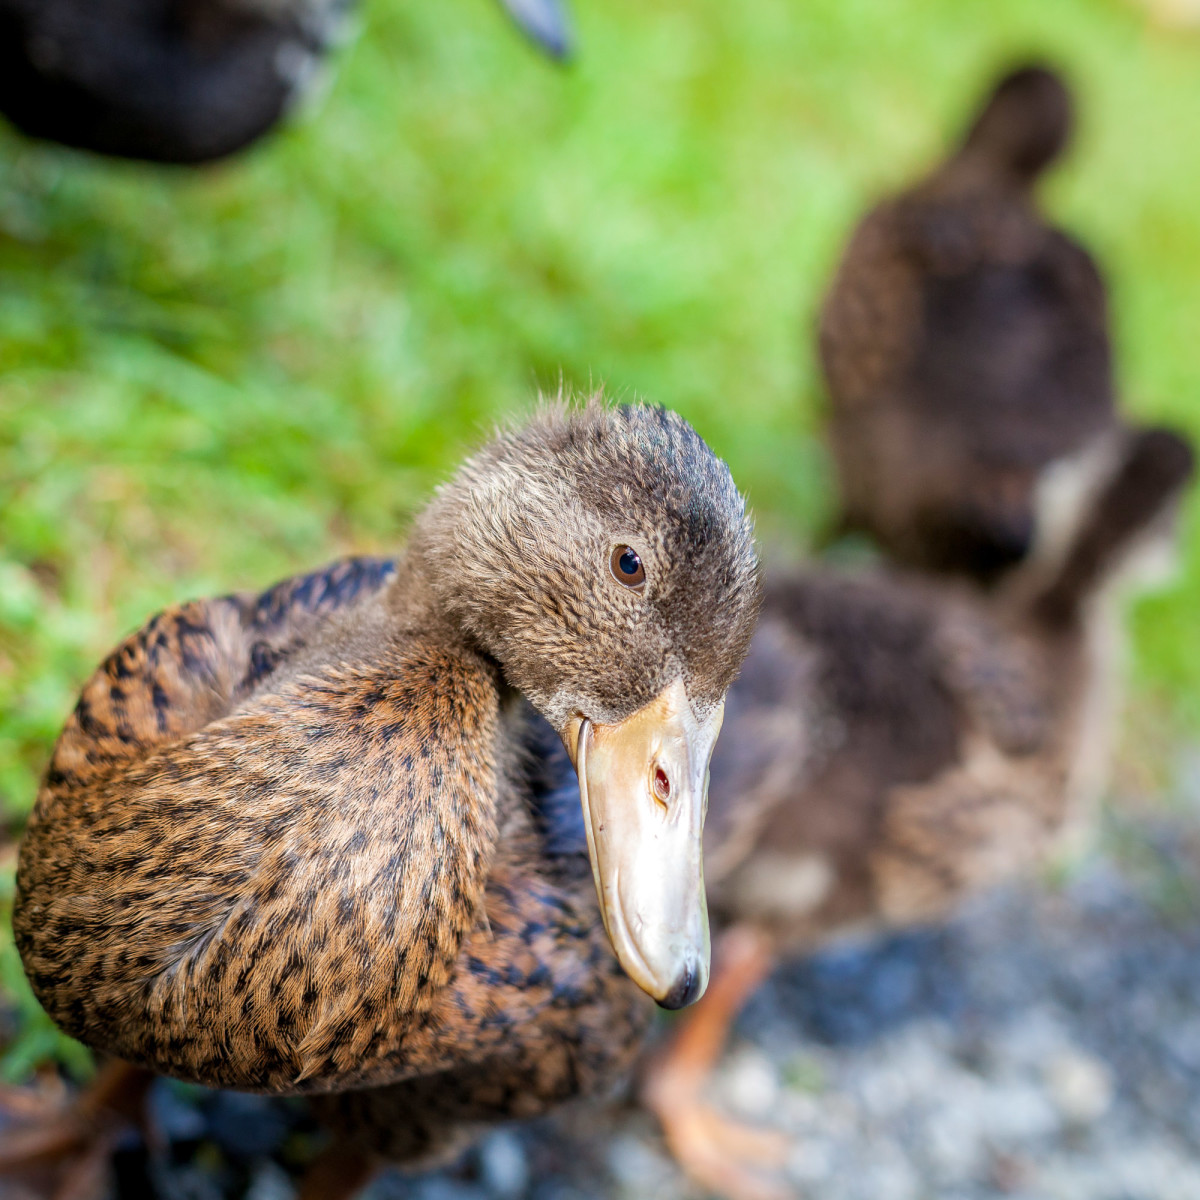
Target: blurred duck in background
{"points": [[966, 347], [896, 742], [904, 736], [180, 81]]}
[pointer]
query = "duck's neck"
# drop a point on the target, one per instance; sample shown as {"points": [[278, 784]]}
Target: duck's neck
{"points": [[975, 168], [411, 606]]}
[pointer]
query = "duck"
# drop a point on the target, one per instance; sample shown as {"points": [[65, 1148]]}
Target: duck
{"points": [[895, 743], [965, 347], [313, 841], [181, 81]]}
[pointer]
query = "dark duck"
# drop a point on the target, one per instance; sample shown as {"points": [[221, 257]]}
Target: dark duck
{"points": [[896, 742], [966, 348], [313, 841], [179, 81]]}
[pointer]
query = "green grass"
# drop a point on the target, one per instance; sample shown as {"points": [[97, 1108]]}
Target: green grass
{"points": [[211, 378]]}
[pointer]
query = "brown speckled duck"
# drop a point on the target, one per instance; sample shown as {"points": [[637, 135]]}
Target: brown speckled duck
{"points": [[300, 842], [965, 345], [895, 743]]}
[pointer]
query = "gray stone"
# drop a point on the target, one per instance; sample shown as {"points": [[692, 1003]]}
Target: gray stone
{"points": [[1080, 1085], [270, 1182], [503, 1165], [750, 1083]]}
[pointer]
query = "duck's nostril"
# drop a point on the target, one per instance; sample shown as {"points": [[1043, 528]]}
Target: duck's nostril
{"points": [[662, 785]]}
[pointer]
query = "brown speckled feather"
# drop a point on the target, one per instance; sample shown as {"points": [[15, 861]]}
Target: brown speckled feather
{"points": [[548, 1026], [309, 881], [316, 841], [533, 995]]}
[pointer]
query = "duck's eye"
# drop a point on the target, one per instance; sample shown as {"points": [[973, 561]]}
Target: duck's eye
{"points": [[627, 567]]}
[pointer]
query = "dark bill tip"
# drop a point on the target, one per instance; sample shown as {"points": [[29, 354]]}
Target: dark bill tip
{"points": [[685, 991], [544, 22]]}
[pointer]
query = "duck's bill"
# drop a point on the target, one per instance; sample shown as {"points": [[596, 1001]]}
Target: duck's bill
{"points": [[644, 787], [544, 22]]}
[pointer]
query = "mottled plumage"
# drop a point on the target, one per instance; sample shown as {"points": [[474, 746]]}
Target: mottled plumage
{"points": [[965, 344], [895, 743], [938, 738], [316, 840], [946, 731]]}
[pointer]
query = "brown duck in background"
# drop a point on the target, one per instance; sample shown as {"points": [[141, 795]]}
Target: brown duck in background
{"points": [[893, 744], [300, 842], [965, 346]]}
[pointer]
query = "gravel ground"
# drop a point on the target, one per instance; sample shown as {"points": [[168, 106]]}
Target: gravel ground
{"points": [[1043, 1046]]}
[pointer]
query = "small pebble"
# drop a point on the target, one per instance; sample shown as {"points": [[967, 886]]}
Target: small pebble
{"points": [[270, 1182], [750, 1083], [810, 1163], [638, 1167], [503, 1166], [174, 1114], [1013, 1112], [1080, 1085], [433, 1187]]}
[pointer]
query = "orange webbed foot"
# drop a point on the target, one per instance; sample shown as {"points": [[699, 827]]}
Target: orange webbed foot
{"points": [[728, 1158], [725, 1157]]}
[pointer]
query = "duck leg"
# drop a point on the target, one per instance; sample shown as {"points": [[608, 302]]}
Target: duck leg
{"points": [[70, 1143], [727, 1158]]}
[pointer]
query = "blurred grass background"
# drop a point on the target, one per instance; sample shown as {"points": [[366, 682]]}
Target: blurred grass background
{"points": [[210, 379]]}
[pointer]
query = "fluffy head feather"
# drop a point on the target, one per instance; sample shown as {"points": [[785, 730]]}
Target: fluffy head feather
{"points": [[517, 548]]}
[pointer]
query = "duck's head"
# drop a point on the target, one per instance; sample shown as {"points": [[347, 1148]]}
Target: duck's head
{"points": [[604, 558], [1025, 123]]}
